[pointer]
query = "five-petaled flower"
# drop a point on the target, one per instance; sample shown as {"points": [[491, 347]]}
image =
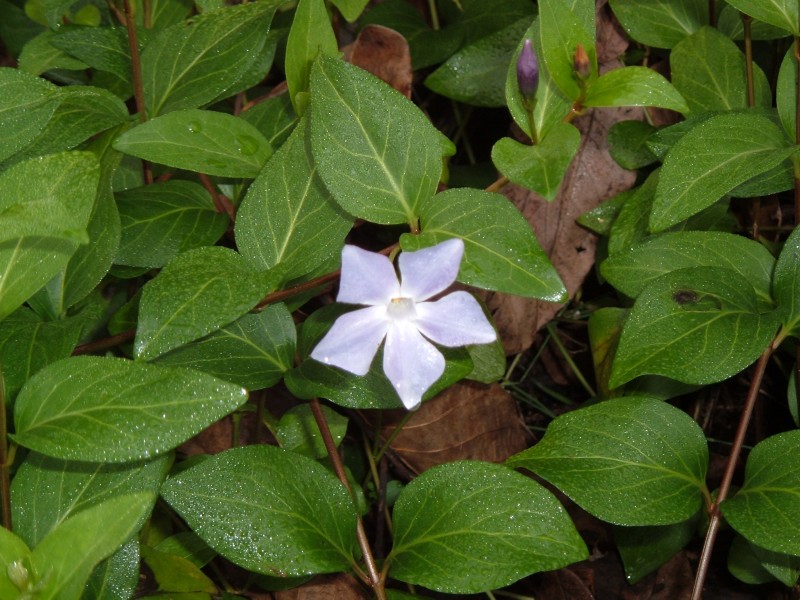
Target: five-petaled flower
{"points": [[399, 311]]}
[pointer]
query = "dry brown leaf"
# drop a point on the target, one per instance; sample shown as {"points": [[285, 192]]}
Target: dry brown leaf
{"points": [[563, 584], [340, 586], [467, 421], [384, 53]]}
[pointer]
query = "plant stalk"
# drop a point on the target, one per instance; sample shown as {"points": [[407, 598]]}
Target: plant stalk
{"points": [[136, 73], [375, 580], [747, 22], [715, 517]]}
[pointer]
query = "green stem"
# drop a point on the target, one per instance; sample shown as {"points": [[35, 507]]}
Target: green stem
{"points": [[5, 485], [393, 436], [434, 14], [581, 379], [374, 579], [715, 517]]}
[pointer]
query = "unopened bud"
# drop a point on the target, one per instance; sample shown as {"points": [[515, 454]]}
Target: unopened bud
{"points": [[528, 71], [580, 63]]}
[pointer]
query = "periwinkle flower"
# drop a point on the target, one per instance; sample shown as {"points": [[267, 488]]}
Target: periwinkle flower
{"points": [[400, 312], [527, 71]]}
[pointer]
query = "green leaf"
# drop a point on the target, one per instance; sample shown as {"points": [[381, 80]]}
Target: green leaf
{"points": [[780, 13], [561, 33], [786, 94], [350, 9], [274, 118], [744, 564], [161, 220], [550, 107], [113, 410], [712, 159], [199, 140], [628, 461], [68, 555], [787, 283], [45, 205], [660, 23], [298, 431], [15, 567], [476, 74], [47, 491], [103, 48], [469, 526], [28, 343], [500, 251], [764, 509], [632, 270], [288, 516], [117, 576], [709, 70], [634, 86], [254, 351], [26, 105], [198, 292], [288, 217], [698, 325], [39, 55], [190, 64], [377, 153], [541, 167], [783, 567], [627, 141], [311, 34], [176, 574], [644, 549]]}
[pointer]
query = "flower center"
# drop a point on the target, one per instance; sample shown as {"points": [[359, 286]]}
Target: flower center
{"points": [[401, 309]]}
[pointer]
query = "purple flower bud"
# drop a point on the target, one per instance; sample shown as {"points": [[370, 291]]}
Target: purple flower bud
{"points": [[528, 71]]}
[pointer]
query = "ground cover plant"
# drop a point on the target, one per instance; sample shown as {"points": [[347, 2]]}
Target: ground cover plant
{"points": [[278, 279]]}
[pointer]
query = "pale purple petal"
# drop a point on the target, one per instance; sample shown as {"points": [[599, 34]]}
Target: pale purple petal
{"points": [[410, 362], [427, 272], [353, 340], [455, 320], [367, 278]]}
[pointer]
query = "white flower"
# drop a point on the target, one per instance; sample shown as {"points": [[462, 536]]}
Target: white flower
{"points": [[396, 310]]}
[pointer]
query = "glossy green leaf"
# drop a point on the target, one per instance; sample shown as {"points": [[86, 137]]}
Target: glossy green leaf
{"points": [[780, 13], [27, 104], [188, 545], [562, 30], [350, 9], [45, 205], [469, 526], [634, 86], [541, 167], [288, 516], [274, 118], [198, 292], [27, 343], [500, 250], [787, 282], [786, 94], [660, 23], [16, 27], [163, 13], [254, 351], [47, 491], [14, 562], [631, 271], [117, 576], [161, 220], [709, 70], [190, 64], [783, 567], [550, 107], [174, 574], [764, 509], [712, 159], [297, 430], [67, 556], [199, 140], [39, 55], [729, 22], [697, 325], [476, 74], [311, 34], [744, 564], [644, 549], [114, 410], [103, 48], [377, 153], [627, 144], [288, 217], [628, 461]]}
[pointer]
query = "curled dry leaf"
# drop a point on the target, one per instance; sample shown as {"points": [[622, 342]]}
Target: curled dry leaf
{"points": [[384, 53], [467, 421]]}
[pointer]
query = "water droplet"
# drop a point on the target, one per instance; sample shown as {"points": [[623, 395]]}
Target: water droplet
{"points": [[246, 145], [194, 127]]}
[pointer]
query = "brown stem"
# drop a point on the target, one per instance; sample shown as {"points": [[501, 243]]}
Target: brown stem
{"points": [[714, 513], [747, 22], [498, 185], [5, 482], [136, 73], [375, 579], [221, 202], [105, 343]]}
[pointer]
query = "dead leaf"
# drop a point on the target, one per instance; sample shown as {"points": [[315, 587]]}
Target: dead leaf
{"points": [[324, 587], [563, 584], [467, 421], [384, 53]]}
